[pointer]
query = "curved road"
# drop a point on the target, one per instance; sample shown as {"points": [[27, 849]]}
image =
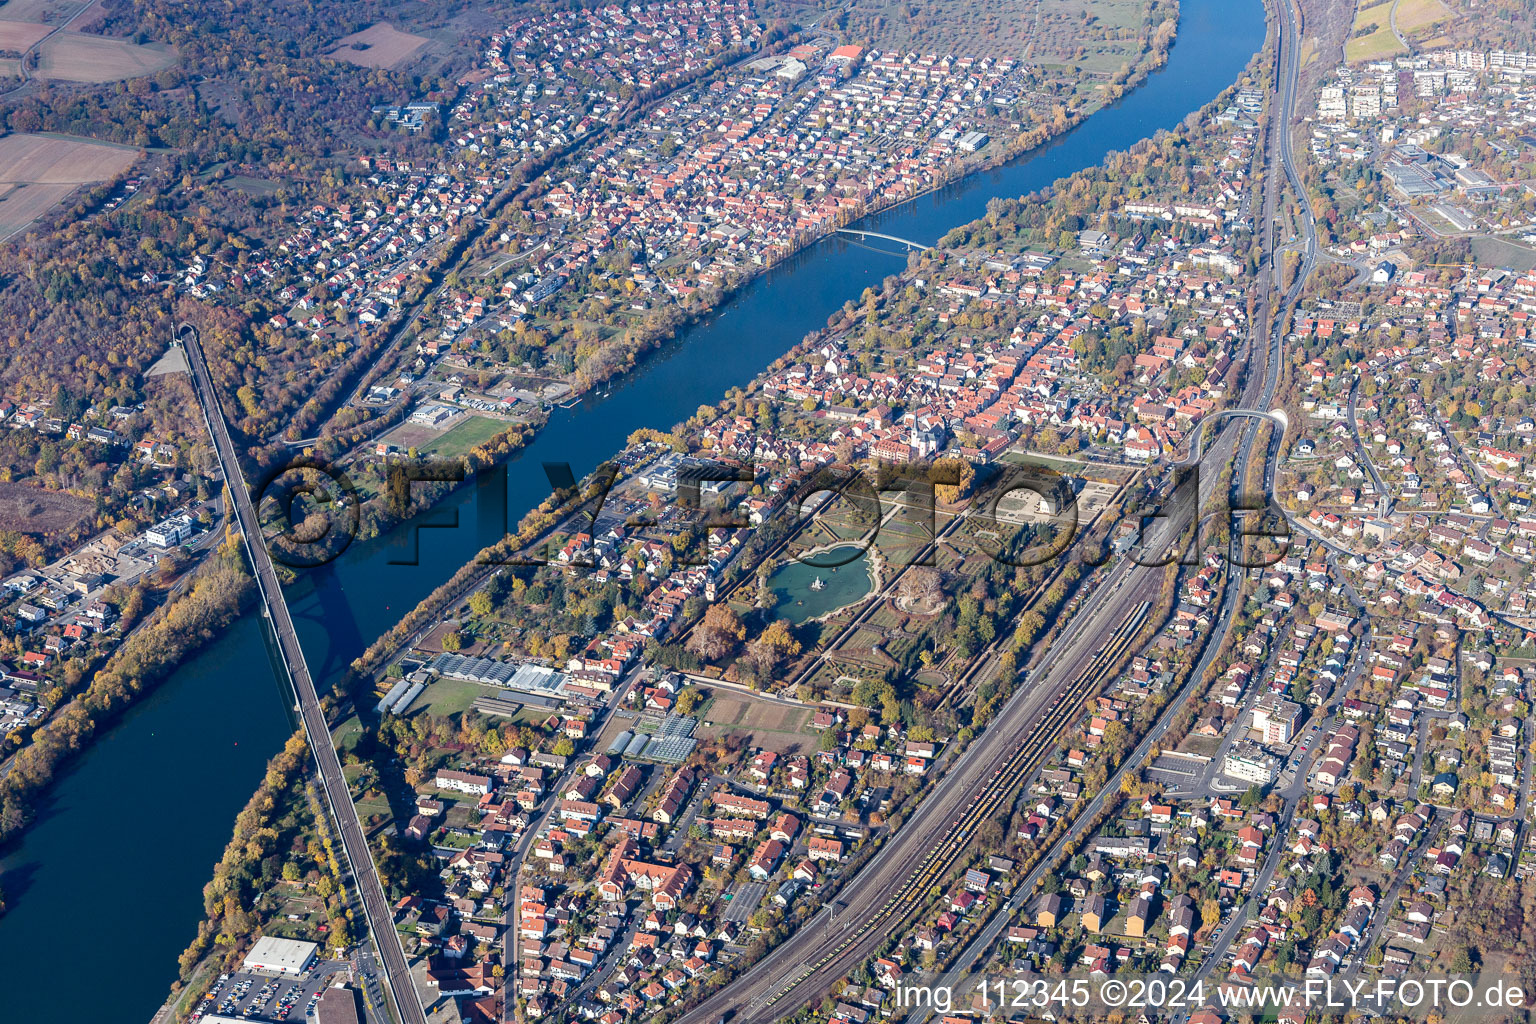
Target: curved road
{"points": [[1365, 453], [1392, 20], [26, 79]]}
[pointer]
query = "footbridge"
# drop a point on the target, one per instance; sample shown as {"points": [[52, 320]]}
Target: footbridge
{"points": [[857, 233]]}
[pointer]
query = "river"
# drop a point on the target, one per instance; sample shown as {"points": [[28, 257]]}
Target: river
{"points": [[106, 888]]}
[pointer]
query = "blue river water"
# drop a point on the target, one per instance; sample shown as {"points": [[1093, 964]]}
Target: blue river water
{"points": [[106, 888]]}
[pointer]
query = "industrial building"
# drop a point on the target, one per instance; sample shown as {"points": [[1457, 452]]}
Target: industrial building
{"points": [[287, 957], [170, 531], [337, 1005]]}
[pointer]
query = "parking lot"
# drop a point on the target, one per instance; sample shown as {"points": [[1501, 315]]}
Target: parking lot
{"points": [[255, 997], [1176, 771], [744, 901]]}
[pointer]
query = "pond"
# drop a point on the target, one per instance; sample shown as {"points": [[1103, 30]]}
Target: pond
{"points": [[213, 724], [802, 591]]}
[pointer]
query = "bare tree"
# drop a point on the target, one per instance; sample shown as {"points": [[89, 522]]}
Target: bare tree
{"points": [[920, 585]]}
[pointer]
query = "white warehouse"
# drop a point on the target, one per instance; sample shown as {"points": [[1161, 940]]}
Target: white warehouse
{"points": [[287, 957]]}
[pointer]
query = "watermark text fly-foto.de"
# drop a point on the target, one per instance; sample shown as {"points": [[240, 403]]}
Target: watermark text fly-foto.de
{"points": [[1020, 515], [1469, 996]]}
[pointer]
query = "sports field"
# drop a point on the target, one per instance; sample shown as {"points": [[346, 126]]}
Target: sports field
{"points": [[474, 431]]}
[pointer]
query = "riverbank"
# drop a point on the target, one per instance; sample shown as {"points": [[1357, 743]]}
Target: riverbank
{"points": [[619, 356], [379, 515], [220, 588], [200, 726]]}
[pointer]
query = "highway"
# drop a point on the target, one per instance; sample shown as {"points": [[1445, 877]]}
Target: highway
{"points": [[1280, 151], [875, 904], [404, 1002]]}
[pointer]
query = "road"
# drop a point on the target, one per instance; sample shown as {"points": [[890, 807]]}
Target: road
{"points": [[26, 79], [955, 979], [781, 981], [404, 1001], [1387, 901], [1392, 20], [512, 938], [511, 192], [1291, 794], [1365, 453], [199, 548], [1293, 787], [878, 899]]}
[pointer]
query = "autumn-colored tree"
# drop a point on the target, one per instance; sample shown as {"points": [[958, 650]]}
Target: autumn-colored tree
{"points": [[961, 477], [718, 634], [775, 645], [920, 584]]}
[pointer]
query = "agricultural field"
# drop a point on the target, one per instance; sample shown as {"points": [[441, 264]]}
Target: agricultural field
{"points": [[1048, 31], [1501, 252], [251, 186], [37, 172], [22, 203], [18, 36], [1415, 16], [378, 46], [79, 57], [59, 160], [49, 12], [1098, 36], [1004, 28], [770, 724], [1371, 36]]}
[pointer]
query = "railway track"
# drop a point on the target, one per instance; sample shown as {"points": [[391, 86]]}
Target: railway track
{"points": [[995, 795]]}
